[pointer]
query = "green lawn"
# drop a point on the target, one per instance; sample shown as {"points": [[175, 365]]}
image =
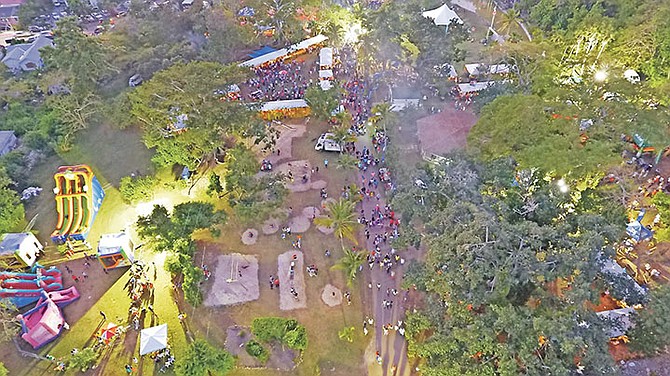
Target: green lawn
{"points": [[115, 304]]}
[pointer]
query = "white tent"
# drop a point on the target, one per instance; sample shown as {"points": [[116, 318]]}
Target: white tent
{"points": [[325, 85], [272, 56], [153, 339], [326, 74], [442, 16], [326, 57], [472, 87], [283, 105]]}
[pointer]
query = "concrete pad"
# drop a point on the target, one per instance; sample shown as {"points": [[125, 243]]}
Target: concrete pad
{"points": [[235, 281], [270, 226], [299, 224], [249, 236], [331, 295], [284, 142], [324, 203], [286, 299]]}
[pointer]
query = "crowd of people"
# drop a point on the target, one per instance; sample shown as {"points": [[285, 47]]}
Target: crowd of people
{"points": [[280, 80]]}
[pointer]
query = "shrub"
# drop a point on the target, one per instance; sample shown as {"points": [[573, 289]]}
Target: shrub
{"points": [[286, 331], [202, 359], [257, 350], [138, 188]]}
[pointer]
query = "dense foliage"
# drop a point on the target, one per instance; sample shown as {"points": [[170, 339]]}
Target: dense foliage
{"points": [[285, 331], [173, 233], [511, 261], [202, 359]]}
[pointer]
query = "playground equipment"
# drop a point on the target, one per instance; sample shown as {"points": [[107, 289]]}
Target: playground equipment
{"points": [[641, 146], [26, 288], [115, 250], [20, 249], [78, 199], [45, 322], [637, 231]]}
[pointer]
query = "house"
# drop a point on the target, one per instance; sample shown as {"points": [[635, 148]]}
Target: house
{"points": [[22, 247], [26, 56], [8, 142], [9, 13]]}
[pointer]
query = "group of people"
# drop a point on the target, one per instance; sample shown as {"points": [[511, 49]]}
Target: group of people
{"points": [[141, 292], [280, 80], [357, 99]]}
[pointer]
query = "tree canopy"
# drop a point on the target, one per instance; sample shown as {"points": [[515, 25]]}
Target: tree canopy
{"points": [[506, 279]]}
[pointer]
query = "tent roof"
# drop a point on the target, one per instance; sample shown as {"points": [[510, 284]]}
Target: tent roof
{"points": [[260, 60], [325, 73], [621, 321], [474, 86], [326, 56], [442, 16], [153, 339], [307, 43], [261, 51], [284, 105], [325, 84]]}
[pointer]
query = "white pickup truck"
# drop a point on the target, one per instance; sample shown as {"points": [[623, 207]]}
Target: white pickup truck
{"points": [[326, 142]]}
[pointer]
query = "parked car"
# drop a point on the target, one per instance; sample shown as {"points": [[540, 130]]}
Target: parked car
{"points": [[326, 142]]}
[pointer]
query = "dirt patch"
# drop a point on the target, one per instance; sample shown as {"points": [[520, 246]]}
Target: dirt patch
{"points": [[235, 281], [281, 357], [287, 132], [319, 184], [270, 226], [299, 173], [299, 224], [249, 236], [287, 300], [331, 295], [446, 131]]}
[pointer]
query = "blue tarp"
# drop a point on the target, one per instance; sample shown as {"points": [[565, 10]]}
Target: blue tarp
{"points": [[262, 51], [246, 12]]}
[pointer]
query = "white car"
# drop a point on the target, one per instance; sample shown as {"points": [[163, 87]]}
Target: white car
{"points": [[326, 142]]}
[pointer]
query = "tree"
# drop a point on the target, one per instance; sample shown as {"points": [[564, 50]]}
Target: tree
{"points": [[10, 326], [651, 332], [83, 58], [202, 359], [183, 118], [342, 219], [214, 187], [382, 113], [11, 208], [139, 188], [350, 264], [322, 102], [497, 272], [347, 334], [83, 359], [520, 126], [509, 19]]}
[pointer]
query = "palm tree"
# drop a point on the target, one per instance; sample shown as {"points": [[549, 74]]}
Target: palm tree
{"points": [[342, 219], [350, 263], [382, 113], [509, 19], [342, 134], [347, 161]]}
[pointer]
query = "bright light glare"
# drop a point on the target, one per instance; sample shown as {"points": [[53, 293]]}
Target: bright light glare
{"points": [[563, 186], [145, 208], [600, 75], [354, 31]]}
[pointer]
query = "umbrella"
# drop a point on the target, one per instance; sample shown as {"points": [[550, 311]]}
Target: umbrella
{"points": [[109, 332], [153, 339]]}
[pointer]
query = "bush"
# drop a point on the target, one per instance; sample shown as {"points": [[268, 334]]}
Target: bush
{"points": [[3, 370], [257, 350], [191, 286], [286, 331], [137, 189], [202, 359]]}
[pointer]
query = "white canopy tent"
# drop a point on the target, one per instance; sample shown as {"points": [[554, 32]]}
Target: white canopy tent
{"points": [[325, 74], [325, 85], [443, 16], [472, 87], [153, 339], [284, 105], [326, 57]]}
